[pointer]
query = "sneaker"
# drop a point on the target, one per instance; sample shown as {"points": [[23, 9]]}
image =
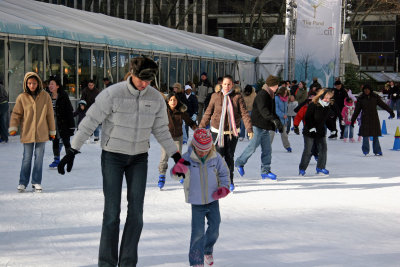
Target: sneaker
{"points": [[302, 172], [161, 181], [181, 180], [55, 163], [324, 171], [352, 140], [209, 260], [240, 170], [231, 187], [345, 140], [268, 175], [289, 149], [21, 188], [37, 187]]}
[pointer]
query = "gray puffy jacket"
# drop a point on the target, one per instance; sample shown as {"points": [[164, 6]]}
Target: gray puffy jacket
{"points": [[128, 117]]}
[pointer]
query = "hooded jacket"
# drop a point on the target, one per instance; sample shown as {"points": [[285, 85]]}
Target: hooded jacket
{"points": [[176, 118], [33, 113], [347, 112], [315, 117], [203, 179]]}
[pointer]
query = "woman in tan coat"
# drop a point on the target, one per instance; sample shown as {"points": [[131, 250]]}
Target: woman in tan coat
{"points": [[33, 113]]}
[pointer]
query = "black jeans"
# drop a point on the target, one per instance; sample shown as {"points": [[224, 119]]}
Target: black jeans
{"points": [[322, 148], [114, 166], [228, 151], [56, 145]]}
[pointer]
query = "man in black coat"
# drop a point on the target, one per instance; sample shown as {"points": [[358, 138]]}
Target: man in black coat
{"points": [[89, 95], [394, 96], [192, 109], [339, 96]]}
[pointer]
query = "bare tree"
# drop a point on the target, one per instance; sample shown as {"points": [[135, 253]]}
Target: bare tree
{"points": [[359, 10]]}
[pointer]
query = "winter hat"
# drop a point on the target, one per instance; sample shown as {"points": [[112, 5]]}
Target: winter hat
{"points": [[144, 68], [82, 102], [202, 140], [188, 87], [272, 80]]}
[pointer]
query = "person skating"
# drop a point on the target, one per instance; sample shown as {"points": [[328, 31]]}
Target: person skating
{"points": [[225, 110], [264, 120], [130, 111], [314, 131], [367, 103], [33, 112], [207, 181]]}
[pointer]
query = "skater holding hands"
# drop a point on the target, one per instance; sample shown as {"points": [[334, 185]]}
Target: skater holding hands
{"points": [[205, 183]]}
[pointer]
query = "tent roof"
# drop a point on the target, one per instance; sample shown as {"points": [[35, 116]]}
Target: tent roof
{"points": [[274, 51], [384, 76], [33, 18]]}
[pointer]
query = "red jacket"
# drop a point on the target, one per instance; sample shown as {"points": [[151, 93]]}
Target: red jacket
{"points": [[300, 116]]}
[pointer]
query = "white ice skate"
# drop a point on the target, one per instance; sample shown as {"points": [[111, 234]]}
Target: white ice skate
{"points": [[37, 188], [21, 188], [209, 260]]}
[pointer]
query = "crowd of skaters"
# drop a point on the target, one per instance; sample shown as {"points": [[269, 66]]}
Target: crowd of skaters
{"points": [[220, 117]]}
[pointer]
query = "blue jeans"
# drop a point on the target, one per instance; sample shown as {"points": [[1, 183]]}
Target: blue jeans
{"points": [[348, 131], [395, 105], [203, 243], [320, 143], [114, 166], [242, 128], [261, 137], [4, 121], [376, 147], [27, 163]]}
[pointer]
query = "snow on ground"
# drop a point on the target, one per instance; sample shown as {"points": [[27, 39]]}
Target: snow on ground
{"points": [[349, 218]]}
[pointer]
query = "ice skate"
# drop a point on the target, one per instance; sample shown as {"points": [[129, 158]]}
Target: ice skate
{"points": [[37, 188], [268, 175], [55, 163], [161, 181], [21, 188], [208, 260], [324, 171]]}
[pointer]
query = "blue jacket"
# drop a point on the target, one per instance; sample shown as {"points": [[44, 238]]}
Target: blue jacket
{"points": [[281, 109], [203, 179]]}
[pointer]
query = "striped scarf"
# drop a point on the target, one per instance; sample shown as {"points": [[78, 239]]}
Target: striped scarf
{"points": [[227, 109]]}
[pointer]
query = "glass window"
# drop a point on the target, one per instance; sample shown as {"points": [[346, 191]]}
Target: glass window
{"points": [[98, 68], [203, 66], [390, 62], [111, 72], [215, 72], [54, 61], [221, 69], [164, 75], [123, 66], [35, 59], [181, 71], [210, 71], [2, 63], [84, 68], [172, 71], [16, 71], [188, 73], [69, 65], [372, 61], [196, 72]]}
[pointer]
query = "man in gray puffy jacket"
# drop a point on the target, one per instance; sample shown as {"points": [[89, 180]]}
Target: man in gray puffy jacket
{"points": [[129, 112]]}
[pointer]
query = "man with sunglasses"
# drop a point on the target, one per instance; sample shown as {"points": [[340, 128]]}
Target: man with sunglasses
{"points": [[129, 112]]}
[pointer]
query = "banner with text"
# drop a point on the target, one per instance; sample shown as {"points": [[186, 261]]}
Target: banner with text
{"points": [[317, 46]]}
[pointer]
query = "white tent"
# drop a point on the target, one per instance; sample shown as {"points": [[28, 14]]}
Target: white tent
{"points": [[271, 61]]}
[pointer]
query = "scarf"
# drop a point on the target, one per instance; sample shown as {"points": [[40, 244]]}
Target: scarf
{"points": [[284, 98], [227, 109]]}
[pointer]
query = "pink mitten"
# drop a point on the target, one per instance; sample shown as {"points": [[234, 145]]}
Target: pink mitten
{"points": [[180, 168], [220, 193]]}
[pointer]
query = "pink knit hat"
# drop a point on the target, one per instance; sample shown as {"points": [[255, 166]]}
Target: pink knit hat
{"points": [[202, 140]]}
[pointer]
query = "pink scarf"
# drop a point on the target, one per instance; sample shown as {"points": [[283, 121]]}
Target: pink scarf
{"points": [[227, 108]]}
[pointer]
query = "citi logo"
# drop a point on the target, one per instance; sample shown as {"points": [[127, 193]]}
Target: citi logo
{"points": [[329, 31]]}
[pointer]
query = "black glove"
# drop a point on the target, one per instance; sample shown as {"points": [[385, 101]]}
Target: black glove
{"points": [[180, 168], [296, 130], [67, 160], [278, 125]]}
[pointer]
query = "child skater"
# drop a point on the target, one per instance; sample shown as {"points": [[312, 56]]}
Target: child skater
{"points": [[176, 115], [81, 110], [347, 113], [206, 182], [33, 112]]}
